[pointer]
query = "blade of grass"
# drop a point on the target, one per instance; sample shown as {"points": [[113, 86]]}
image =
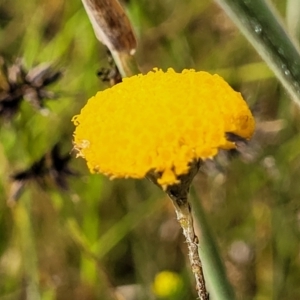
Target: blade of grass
{"points": [[259, 22], [22, 218], [116, 233]]}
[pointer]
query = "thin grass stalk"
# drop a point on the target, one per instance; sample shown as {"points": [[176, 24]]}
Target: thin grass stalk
{"points": [[261, 25], [105, 286], [22, 219], [214, 271], [116, 233]]}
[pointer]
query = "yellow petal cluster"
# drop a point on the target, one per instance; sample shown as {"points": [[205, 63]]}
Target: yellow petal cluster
{"points": [[160, 121]]}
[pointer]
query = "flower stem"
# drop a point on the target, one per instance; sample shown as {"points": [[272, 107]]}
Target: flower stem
{"points": [[262, 26], [178, 193], [179, 196], [184, 217]]}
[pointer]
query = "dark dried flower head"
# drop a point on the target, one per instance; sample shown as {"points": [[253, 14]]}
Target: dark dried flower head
{"points": [[52, 168], [59, 168], [17, 84]]}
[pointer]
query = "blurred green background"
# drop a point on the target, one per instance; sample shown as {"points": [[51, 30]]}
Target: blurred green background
{"points": [[102, 239]]}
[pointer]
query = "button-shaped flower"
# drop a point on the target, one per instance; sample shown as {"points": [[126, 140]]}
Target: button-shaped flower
{"points": [[160, 122]]}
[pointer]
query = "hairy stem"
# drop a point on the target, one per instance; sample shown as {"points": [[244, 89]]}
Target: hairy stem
{"points": [[184, 217], [179, 196]]}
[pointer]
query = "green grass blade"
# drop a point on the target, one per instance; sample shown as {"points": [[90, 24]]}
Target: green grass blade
{"points": [[214, 271], [259, 22]]}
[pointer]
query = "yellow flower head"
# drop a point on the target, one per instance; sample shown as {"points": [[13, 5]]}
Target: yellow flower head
{"points": [[167, 284], [160, 122]]}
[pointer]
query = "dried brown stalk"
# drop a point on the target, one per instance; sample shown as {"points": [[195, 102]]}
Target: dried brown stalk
{"points": [[112, 28], [111, 25]]}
